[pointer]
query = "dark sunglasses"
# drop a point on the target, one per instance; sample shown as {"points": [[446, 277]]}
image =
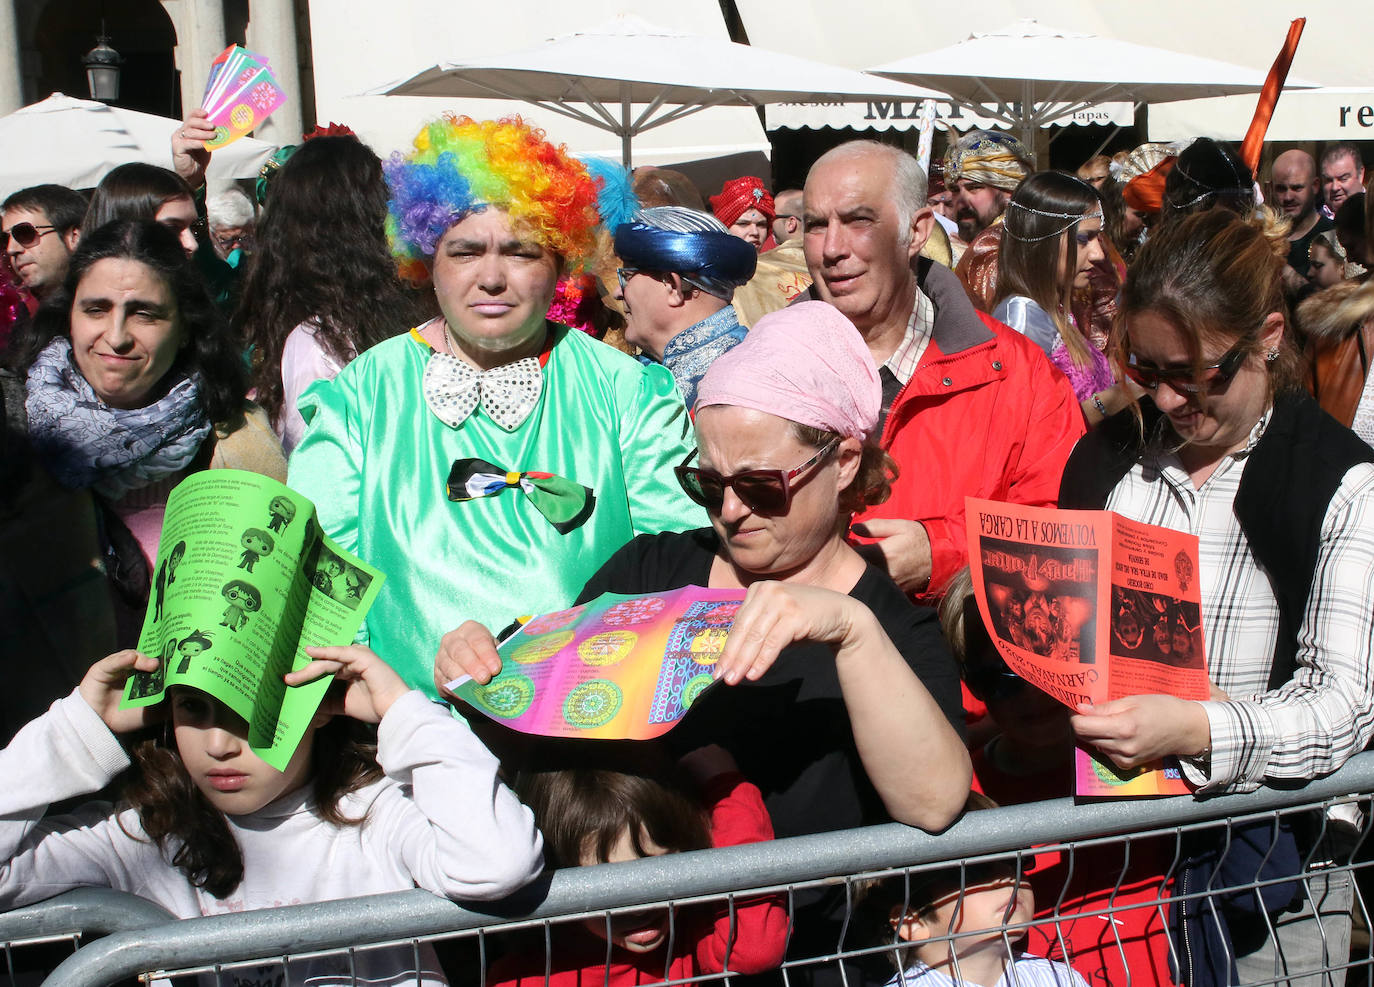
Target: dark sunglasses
{"points": [[991, 683], [25, 234], [1187, 379], [243, 241], [623, 275], [766, 492]]}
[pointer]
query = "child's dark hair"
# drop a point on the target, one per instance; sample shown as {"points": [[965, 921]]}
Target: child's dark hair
{"points": [[195, 836], [610, 788], [880, 902]]}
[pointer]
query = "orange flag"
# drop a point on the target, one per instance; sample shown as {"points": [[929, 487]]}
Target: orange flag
{"points": [[1269, 97]]}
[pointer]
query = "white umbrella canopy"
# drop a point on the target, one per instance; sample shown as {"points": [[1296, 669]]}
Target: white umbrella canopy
{"points": [[1016, 73], [74, 142], [628, 76], [1334, 114]]}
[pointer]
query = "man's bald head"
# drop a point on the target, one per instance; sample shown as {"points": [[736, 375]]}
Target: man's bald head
{"points": [[865, 222], [910, 187], [790, 198], [787, 206], [1296, 185]]}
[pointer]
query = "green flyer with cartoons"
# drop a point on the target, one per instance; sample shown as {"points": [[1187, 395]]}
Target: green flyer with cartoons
{"points": [[245, 581]]}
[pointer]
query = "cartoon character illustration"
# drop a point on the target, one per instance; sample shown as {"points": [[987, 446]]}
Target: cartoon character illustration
{"points": [[282, 509], [166, 575], [256, 543], [197, 642], [243, 599]]}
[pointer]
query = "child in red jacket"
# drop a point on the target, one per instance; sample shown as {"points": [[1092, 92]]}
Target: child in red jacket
{"points": [[642, 808]]}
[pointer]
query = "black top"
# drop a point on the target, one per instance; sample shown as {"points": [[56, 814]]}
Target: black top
{"points": [[790, 730], [1298, 249]]}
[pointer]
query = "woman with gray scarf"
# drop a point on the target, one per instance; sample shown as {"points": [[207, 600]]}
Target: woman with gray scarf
{"points": [[127, 382]]}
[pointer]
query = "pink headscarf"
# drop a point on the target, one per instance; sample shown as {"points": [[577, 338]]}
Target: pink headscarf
{"points": [[806, 363]]}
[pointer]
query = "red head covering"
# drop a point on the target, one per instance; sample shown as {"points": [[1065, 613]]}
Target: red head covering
{"points": [[738, 196], [1145, 193], [333, 130]]}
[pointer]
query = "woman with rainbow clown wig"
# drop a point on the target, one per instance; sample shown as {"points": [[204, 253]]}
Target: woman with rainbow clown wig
{"points": [[489, 461]]}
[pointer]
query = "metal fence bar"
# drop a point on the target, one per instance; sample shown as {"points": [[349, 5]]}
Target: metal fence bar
{"points": [[83, 912], [68, 919], [406, 915]]}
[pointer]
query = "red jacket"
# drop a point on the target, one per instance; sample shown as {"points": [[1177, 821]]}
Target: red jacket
{"points": [[985, 415], [703, 939]]}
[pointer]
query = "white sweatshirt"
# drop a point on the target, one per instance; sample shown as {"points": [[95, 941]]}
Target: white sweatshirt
{"points": [[439, 819]]}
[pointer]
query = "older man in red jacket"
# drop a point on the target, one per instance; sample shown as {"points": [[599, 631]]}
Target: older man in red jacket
{"points": [[971, 407]]}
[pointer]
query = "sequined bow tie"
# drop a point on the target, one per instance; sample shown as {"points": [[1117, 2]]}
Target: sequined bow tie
{"points": [[508, 394], [565, 503]]}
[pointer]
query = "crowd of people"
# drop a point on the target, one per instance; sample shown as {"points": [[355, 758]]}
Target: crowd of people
{"points": [[787, 394]]}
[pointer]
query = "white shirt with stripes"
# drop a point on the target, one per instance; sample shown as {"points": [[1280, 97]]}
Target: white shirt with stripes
{"points": [[920, 327], [1310, 725], [1024, 970]]}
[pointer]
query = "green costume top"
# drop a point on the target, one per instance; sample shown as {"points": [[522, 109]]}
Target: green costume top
{"points": [[376, 460]]}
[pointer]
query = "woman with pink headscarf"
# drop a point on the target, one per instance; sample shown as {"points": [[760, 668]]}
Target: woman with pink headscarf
{"points": [[842, 702]]}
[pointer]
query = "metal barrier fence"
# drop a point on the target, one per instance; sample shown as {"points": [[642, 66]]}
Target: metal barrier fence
{"points": [[816, 884], [65, 921]]}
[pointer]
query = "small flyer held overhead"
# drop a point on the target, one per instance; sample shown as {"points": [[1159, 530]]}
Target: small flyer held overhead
{"points": [[617, 668], [1089, 606], [245, 581], [240, 94]]}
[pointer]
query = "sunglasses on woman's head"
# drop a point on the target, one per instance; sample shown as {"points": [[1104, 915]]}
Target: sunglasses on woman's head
{"points": [[25, 234], [1188, 379], [764, 491]]}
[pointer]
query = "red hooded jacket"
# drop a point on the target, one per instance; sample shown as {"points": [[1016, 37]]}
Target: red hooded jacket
{"points": [[985, 415]]}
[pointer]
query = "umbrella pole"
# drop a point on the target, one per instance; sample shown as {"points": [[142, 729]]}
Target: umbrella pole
{"points": [[625, 125], [1028, 117]]}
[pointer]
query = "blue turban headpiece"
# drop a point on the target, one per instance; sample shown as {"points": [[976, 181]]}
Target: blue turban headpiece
{"points": [[693, 244]]}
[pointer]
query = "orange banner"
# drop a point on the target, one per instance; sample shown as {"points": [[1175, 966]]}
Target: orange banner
{"points": [[1269, 98]]}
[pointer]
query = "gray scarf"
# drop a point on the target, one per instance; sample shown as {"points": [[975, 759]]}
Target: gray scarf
{"points": [[87, 444]]}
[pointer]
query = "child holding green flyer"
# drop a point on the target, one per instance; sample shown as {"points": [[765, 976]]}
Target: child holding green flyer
{"points": [[209, 827]]}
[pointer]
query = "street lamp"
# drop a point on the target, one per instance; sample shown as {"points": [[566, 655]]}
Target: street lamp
{"points": [[102, 69]]}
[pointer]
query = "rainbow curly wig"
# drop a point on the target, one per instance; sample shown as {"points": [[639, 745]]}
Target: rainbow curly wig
{"points": [[460, 164]]}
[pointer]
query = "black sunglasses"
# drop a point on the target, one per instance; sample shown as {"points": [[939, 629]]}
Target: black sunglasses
{"points": [[243, 241], [25, 234], [991, 683], [766, 492], [1187, 379]]}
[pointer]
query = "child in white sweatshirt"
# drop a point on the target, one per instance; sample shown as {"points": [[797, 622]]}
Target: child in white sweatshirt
{"points": [[210, 827]]}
